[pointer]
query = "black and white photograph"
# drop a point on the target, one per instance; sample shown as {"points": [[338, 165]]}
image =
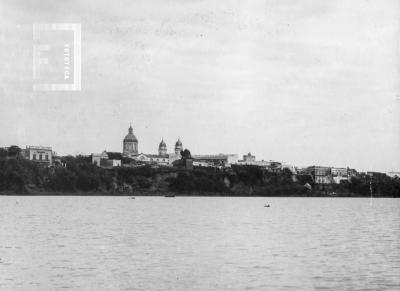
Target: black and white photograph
{"points": [[200, 145]]}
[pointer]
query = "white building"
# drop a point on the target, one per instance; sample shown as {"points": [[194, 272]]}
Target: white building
{"points": [[339, 174], [39, 154], [220, 160], [96, 158]]}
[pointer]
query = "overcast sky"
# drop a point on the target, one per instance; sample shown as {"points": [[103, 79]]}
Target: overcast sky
{"points": [[305, 82]]}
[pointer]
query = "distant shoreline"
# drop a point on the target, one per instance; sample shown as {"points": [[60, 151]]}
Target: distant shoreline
{"points": [[159, 194]]}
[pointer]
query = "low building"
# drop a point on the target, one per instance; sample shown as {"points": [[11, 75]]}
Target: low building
{"points": [[339, 174], [201, 164], [153, 159], [275, 166], [320, 175], [103, 160], [39, 154], [352, 173], [220, 160], [96, 158], [375, 174], [249, 158], [104, 163]]}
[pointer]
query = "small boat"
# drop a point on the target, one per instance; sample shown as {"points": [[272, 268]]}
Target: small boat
{"points": [[267, 205], [170, 196], [132, 198]]}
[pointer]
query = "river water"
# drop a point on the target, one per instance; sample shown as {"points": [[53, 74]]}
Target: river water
{"points": [[199, 243]]}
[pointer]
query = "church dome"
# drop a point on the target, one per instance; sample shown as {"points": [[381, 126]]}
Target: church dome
{"points": [[178, 143], [130, 137], [162, 143]]}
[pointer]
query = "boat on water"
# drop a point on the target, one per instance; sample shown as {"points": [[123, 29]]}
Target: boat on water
{"points": [[267, 205], [132, 198], [169, 196]]}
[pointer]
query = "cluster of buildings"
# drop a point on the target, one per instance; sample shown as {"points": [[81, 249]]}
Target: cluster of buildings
{"points": [[130, 151], [328, 175]]}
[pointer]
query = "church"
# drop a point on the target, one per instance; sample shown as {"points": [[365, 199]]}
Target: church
{"points": [[131, 149]]}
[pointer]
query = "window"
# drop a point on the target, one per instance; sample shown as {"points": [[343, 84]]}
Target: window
{"points": [[34, 157], [40, 157], [47, 157]]}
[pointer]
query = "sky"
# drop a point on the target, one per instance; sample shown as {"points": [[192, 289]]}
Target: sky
{"points": [[305, 82]]}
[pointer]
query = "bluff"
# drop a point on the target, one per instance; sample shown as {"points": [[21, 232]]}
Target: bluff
{"points": [[80, 177]]}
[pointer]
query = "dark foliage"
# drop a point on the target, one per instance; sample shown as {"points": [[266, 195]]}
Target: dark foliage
{"points": [[13, 151], [21, 176]]}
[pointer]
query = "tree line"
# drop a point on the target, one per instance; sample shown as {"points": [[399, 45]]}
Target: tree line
{"points": [[19, 175]]}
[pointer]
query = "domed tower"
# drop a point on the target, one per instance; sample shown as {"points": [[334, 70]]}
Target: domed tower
{"points": [[178, 146], [130, 143], [162, 148]]}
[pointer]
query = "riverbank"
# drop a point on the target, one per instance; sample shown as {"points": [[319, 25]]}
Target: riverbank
{"points": [[81, 178], [175, 194]]}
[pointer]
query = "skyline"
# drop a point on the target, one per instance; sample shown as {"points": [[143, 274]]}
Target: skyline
{"points": [[173, 145], [310, 83]]}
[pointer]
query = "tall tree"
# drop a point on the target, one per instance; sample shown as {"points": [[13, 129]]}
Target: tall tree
{"points": [[14, 151]]}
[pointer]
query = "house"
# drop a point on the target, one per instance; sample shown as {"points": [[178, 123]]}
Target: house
{"points": [[39, 154]]}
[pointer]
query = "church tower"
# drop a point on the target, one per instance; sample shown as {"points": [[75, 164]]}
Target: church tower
{"points": [[162, 148], [130, 143], [178, 147]]}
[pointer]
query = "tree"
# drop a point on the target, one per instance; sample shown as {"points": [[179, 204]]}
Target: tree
{"points": [[186, 154], [114, 155], [3, 153], [14, 151]]}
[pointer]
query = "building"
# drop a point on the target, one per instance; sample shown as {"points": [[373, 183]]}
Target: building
{"points": [[103, 160], [320, 175], [249, 158], [130, 149], [153, 159], [220, 160], [178, 147], [162, 148], [130, 144], [96, 158], [271, 166], [352, 173], [105, 163], [162, 158], [274, 166], [39, 154], [375, 174], [339, 174]]}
